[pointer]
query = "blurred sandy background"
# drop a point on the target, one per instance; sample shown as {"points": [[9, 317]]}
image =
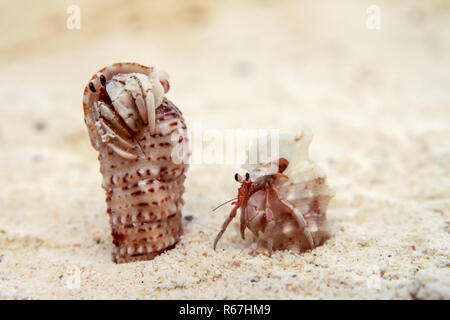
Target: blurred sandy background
{"points": [[378, 102]]}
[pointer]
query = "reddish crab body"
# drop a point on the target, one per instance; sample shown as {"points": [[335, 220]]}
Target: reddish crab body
{"points": [[264, 210]]}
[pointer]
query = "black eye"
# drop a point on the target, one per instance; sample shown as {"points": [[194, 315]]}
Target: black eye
{"points": [[91, 87], [236, 177], [247, 176], [103, 80]]}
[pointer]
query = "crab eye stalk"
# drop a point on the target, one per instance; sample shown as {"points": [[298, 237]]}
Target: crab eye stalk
{"points": [[247, 176], [103, 80], [237, 177]]}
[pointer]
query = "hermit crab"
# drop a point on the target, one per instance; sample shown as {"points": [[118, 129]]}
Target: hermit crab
{"points": [[142, 143], [284, 202]]}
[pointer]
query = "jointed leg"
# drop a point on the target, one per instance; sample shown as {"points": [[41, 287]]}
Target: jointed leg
{"points": [[107, 112], [280, 175], [243, 223], [124, 104], [268, 233], [254, 247], [270, 223], [145, 101], [136, 87], [108, 136], [225, 225], [297, 216]]}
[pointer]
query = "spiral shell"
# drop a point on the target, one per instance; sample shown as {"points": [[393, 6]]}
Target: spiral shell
{"points": [[306, 191], [307, 188], [142, 140]]}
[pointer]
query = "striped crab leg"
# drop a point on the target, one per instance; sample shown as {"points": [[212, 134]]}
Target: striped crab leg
{"points": [[112, 139]]}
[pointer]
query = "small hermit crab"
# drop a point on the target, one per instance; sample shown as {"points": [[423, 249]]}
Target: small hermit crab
{"points": [[284, 200], [139, 135]]}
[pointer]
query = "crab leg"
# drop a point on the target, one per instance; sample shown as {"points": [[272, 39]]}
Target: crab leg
{"points": [[141, 89], [122, 153], [270, 223], [297, 215], [158, 90], [225, 225], [107, 112], [280, 175], [123, 103], [150, 104], [242, 220], [136, 85], [110, 137], [254, 247]]}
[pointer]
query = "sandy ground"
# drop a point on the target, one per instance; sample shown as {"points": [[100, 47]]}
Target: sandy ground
{"points": [[377, 101]]}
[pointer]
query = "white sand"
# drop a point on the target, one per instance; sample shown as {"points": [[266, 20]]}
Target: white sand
{"points": [[377, 101]]}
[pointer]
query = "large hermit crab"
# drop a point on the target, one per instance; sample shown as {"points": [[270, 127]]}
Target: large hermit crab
{"points": [[137, 132], [285, 201]]}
